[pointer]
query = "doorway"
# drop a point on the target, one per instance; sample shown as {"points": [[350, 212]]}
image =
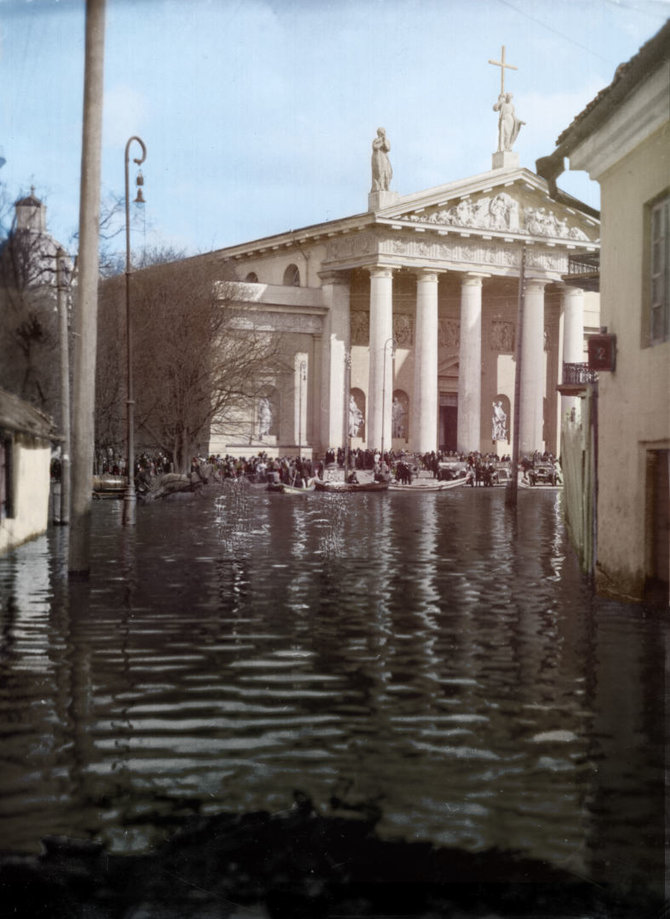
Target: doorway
{"points": [[448, 421], [657, 589]]}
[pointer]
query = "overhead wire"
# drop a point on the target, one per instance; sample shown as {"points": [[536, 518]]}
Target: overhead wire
{"points": [[549, 28]]}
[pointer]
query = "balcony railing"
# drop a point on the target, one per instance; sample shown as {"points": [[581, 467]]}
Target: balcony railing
{"points": [[578, 374], [584, 263], [584, 271]]}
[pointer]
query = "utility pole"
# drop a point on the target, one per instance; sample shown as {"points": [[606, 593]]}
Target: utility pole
{"points": [[86, 320], [513, 489], [64, 390]]}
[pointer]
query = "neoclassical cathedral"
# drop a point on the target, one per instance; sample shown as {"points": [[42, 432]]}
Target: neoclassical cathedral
{"points": [[403, 321]]}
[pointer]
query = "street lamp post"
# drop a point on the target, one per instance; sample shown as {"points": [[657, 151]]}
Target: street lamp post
{"points": [[302, 367], [393, 343], [129, 497], [347, 411]]}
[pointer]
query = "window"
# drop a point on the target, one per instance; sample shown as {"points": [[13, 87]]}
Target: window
{"points": [[252, 278], [292, 276], [6, 504], [659, 271]]}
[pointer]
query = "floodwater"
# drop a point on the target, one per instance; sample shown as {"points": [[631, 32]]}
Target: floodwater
{"points": [[425, 653]]}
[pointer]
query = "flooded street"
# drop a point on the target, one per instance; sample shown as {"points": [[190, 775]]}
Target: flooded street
{"points": [[422, 654]]}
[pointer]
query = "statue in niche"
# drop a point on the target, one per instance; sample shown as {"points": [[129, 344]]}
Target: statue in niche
{"points": [[381, 165], [398, 418], [499, 422], [265, 416], [402, 329], [508, 124], [502, 336], [360, 326], [355, 418]]}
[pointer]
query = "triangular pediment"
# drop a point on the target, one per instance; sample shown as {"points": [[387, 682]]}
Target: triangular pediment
{"points": [[516, 204]]}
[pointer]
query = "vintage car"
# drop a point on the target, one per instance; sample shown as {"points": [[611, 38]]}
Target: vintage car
{"points": [[544, 474], [448, 471]]}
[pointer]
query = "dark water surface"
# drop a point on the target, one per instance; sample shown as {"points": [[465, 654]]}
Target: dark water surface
{"points": [[421, 652]]}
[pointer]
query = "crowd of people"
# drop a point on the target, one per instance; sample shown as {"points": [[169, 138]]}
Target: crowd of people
{"points": [[402, 468]]}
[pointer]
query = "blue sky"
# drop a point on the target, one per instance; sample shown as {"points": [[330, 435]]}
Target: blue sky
{"points": [[258, 115]]}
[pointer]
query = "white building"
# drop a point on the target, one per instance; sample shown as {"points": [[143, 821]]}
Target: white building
{"points": [[411, 307], [622, 138], [25, 460]]}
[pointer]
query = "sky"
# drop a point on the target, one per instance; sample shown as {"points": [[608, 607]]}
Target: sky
{"points": [[258, 115]]}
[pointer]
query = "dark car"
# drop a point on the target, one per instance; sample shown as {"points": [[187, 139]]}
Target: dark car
{"points": [[543, 474]]}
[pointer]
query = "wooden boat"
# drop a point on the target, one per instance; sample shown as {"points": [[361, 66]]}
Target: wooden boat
{"points": [[109, 486], [430, 486], [295, 489], [346, 487]]}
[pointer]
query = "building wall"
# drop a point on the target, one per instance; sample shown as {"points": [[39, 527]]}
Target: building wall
{"points": [[633, 413], [31, 460]]}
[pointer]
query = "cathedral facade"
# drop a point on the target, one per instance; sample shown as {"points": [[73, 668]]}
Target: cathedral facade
{"points": [[405, 324]]}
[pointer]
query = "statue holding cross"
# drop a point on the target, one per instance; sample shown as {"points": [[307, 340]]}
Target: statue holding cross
{"points": [[508, 124]]}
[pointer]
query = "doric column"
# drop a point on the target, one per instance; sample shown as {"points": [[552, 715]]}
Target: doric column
{"points": [[572, 305], [336, 343], [380, 385], [424, 411], [468, 435], [531, 414]]}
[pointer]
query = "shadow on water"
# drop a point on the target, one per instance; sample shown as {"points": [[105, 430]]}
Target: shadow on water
{"points": [[468, 727]]}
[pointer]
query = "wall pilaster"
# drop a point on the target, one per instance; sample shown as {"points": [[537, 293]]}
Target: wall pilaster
{"points": [[531, 399]]}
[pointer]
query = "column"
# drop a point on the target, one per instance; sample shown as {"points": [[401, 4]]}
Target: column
{"points": [[424, 410], [532, 377], [380, 383], [572, 306], [468, 434], [336, 344]]}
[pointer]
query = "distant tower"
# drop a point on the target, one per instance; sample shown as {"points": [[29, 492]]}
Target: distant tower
{"points": [[31, 214]]}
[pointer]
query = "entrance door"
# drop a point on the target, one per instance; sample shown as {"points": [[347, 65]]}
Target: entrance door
{"points": [[448, 427], [657, 588]]}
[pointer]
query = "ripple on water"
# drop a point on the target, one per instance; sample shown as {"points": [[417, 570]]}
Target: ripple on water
{"points": [[431, 654]]}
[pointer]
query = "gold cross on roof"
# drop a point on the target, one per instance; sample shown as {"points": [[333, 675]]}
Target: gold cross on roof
{"points": [[503, 66]]}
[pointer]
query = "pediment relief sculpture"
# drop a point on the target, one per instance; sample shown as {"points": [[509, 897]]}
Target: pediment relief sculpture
{"points": [[502, 212]]}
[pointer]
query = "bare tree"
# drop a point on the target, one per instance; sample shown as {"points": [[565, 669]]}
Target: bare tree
{"points": [[28, 319], [195, 362]]}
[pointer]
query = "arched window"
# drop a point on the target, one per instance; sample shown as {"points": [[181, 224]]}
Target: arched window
{"points": [[292, 276], [252, 278]]}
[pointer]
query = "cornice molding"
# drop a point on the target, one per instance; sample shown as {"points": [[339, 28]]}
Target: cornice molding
{"points": [[638, 117]]}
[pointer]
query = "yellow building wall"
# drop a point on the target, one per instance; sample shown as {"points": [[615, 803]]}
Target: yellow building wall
{"points": [[633, 412], [30, 489]]}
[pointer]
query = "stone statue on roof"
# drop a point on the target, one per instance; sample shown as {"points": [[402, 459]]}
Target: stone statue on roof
{"points": [[381, 165], [508, 124]]}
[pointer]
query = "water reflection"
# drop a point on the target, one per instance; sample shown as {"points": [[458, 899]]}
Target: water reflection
{"points": [[428, 653]]}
